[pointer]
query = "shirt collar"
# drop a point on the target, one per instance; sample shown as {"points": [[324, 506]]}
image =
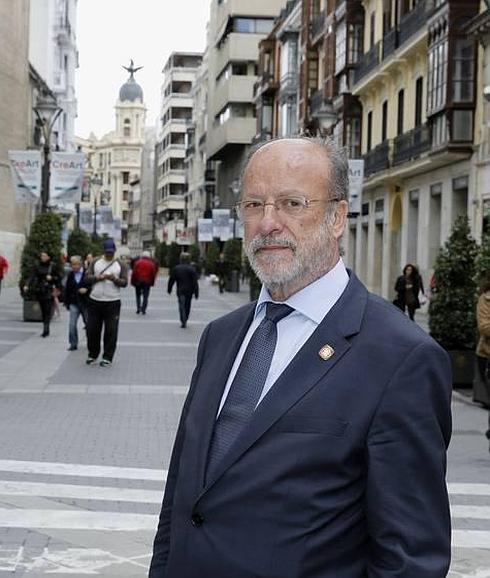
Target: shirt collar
{"points": [[316, 299]]}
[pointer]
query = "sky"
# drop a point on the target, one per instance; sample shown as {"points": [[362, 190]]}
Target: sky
{"points": [[110, 32]]}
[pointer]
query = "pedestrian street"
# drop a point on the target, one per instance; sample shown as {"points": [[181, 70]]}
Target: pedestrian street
{"points": [[84, 450]]}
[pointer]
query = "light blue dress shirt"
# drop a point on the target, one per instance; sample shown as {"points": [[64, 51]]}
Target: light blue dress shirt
{"points": [[310, 305]]}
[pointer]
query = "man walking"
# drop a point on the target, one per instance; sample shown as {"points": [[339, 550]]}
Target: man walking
{"points": [[107, 276], [144, 273], [4, 265], [76, 298], [185, 276], [312, 443]]}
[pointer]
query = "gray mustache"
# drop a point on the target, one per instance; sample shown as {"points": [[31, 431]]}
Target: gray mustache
{"points": [[260, 242]]}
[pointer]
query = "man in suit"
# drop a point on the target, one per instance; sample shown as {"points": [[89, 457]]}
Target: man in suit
{"points": [[312, 443], [185, 275]]}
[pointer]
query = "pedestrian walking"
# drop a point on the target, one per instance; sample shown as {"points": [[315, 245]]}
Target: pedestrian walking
{"points": [[44, 281], [4, 265], [222, 272], [144, 273], [408, 287], [107, 276], [76, 299], [313, 439], [185, 276], [483, 347]]}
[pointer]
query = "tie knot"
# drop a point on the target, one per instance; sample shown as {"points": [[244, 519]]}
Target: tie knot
{"points": [[277, 311]]}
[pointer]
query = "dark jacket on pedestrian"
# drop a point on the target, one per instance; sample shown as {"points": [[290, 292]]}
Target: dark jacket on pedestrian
{"points": [[144, 272], [39, 283], [72, 294], [401, 291], [186, 278]]}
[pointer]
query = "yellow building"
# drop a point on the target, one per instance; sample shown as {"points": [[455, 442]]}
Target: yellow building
{"points": [[417, 82]]}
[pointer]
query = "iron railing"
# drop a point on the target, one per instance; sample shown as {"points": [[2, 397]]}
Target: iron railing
{"points": [[369, 61], [377, 159], [411, 145]]}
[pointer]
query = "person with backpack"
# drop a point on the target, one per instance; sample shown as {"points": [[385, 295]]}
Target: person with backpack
{"points": [[107, 276]]}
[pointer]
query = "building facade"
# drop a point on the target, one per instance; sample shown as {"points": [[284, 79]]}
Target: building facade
{"points": [[53, 54], [177, 102], [234, 31], [114, 161]]}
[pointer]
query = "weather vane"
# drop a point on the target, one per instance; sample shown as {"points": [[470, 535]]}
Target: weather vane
{"points": [[131, 69]]}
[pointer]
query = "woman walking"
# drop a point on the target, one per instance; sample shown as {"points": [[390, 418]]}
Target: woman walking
{"points": [[408, 287], [483, 347], [44, 280]]}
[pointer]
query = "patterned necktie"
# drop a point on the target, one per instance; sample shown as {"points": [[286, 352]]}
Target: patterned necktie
{"points": [[247, 386]]}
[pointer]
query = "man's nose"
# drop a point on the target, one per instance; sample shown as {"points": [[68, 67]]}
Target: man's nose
{"points": [[271, 219]]}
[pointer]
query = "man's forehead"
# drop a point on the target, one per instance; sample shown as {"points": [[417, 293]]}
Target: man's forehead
{"points": [[290, 154]]}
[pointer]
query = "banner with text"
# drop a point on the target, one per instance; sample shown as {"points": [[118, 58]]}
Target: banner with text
{"points": [[25, 168], [221, 224], [356, 178], [204, 230], [67, 173]]}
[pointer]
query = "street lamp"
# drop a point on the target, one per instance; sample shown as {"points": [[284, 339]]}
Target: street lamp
{"points": [[96, 183], [235, 189], [47, 111]]}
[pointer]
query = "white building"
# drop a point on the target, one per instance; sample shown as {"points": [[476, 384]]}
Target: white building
{"points": [[54, 55], [175, 117]]}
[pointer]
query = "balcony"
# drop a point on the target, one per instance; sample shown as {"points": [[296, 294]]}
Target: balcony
{"points": [[266, 84], [369, 61], [411, 145], [378, 159], [235, 131], [235, 89], [316, 101], [317, 27], [412, 22], [390, 42]]}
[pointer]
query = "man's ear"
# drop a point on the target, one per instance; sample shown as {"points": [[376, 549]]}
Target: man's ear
{"points": [[340, 219]]}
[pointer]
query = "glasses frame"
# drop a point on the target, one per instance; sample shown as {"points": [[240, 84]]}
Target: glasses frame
{"points": [[307, 203]]}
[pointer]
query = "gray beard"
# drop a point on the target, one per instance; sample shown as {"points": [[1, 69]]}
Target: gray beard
{"points": [[309, 263]]}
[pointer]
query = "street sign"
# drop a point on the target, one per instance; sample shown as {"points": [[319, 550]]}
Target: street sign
{"points": [[204, 230], [356, 178], [221, 224]]}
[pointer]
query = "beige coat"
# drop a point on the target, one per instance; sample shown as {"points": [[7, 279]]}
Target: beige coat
{"points": [[483, 320]]}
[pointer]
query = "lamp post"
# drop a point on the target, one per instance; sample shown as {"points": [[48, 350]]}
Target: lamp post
{"points": [[47, 111], [96, 183], [235, 189]]}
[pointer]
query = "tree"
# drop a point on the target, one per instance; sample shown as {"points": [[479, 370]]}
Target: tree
{"points": [[233, 254], [174, 251], [79, 243], [161, 254], [212, 256], [452, 310], [45, 236], [482, 263]]}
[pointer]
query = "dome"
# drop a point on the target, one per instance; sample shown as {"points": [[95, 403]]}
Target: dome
{"points": [[130, 90]]}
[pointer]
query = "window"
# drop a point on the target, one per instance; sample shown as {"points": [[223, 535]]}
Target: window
{"points": [[354, 47], [125, 177], [437, 76], [353, 137], [127, 127], [369, 141], [384, 122], [253, 25], [440, 131], [463, 70], [340, 47], [401, 105], [419, 89], [372, 32], [462, 127], [125, 195]]}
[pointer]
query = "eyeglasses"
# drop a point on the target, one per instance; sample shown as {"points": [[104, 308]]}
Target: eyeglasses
{"points": [[251, 209]]}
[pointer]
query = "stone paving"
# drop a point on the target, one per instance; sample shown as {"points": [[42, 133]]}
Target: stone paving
{"points": [[83, 450]]}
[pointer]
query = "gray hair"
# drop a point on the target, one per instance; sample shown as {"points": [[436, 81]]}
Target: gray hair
{"points": [[75, 259], [337, 156]]}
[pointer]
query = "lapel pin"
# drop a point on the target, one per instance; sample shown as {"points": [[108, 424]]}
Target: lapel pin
{"points": [[326, 352]]}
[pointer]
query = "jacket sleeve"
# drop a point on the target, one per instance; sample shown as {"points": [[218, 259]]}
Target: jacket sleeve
{"points": [[407, 504], [196, 286], [90, 278], [161, 545], [171, 281], [122, 280], [483, 316]]}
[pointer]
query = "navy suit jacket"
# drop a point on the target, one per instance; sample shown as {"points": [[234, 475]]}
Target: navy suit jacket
{"points": [[341, 470]]}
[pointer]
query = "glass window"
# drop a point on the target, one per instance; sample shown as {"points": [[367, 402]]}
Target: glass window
{"points": [[353, 137], [354, 43], [463, 70], [340, 47], [440, 131], [462, 127], [253, 25]]}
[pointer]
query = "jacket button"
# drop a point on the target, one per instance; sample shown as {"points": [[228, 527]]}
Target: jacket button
{"points": [[197, 519]]}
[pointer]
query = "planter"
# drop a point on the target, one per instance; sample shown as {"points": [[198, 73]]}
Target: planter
{"points": [[463, 363], [480, 391], [31, 311]]}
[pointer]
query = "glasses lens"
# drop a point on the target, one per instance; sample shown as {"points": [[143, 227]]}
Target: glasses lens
{"points": [[291, 205]]}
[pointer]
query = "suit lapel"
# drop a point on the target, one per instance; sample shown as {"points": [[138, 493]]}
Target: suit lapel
{"points": [[304, 371], [218, 366]]}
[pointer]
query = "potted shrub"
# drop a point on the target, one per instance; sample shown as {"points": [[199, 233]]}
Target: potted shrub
{"points": [[452, 318], [233, 258], [212, 256], [482, 267], [79, 243], [45, 235]]}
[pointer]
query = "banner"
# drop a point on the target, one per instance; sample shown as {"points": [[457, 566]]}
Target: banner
{"points": [[184, 236], [86, 190], [25, 168], [204, 230], [67, 172], [356, 178], [87, 219], [221, 224], [106, 226]]}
